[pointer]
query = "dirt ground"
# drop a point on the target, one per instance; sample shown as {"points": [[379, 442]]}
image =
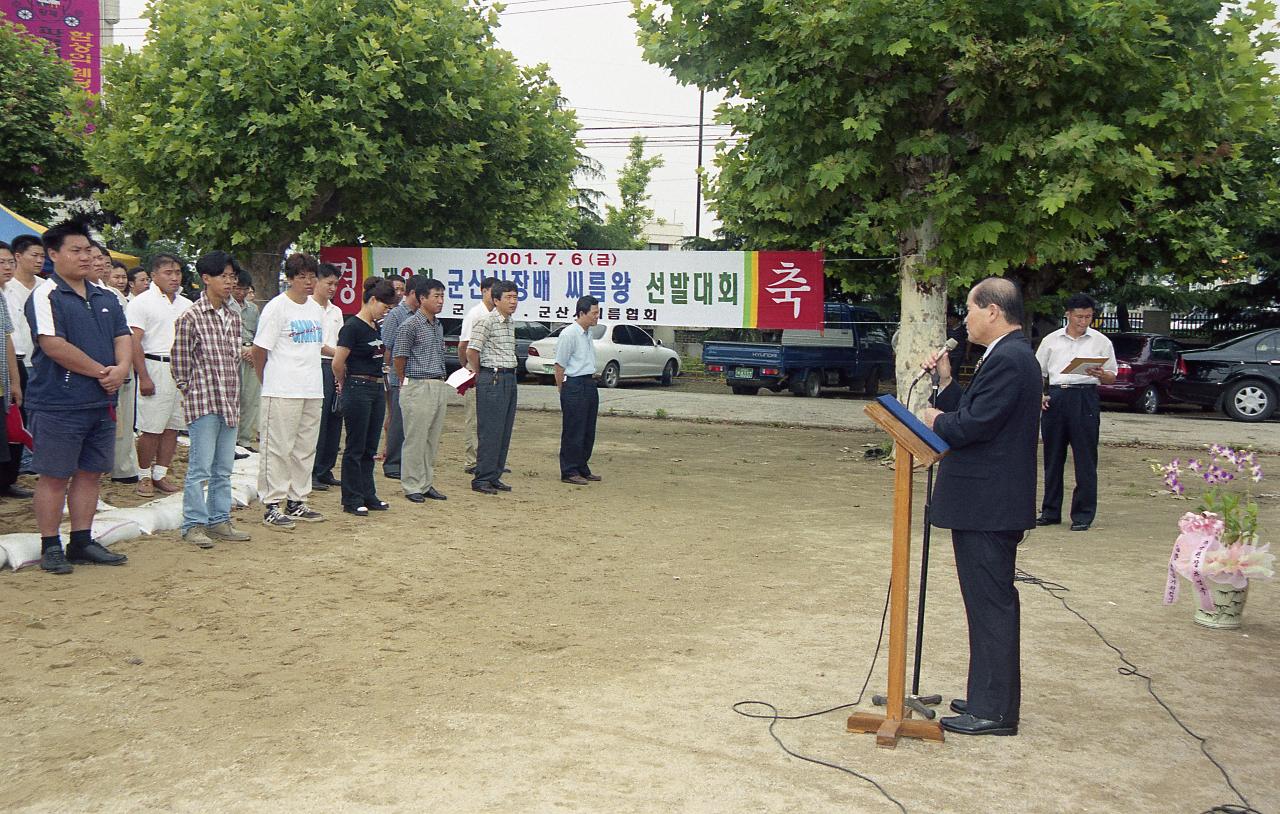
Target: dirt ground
{"points": [[579, 649]]}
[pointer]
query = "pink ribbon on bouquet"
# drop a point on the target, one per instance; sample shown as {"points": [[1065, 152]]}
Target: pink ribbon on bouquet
{"points": [[1203, 594]]}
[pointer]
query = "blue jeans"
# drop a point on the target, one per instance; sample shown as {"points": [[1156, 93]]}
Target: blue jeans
{"points": [[212, 454]]}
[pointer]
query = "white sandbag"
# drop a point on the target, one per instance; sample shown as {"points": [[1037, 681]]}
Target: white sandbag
{"points": [[108, 530], [144, 517], [242, 496], [168, 513], [246, 466], [20, 550]]}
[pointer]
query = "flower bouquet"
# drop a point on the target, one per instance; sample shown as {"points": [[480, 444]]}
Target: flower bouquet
{"points": [[1217, 549]]}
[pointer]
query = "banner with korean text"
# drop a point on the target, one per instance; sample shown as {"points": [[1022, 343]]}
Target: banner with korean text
{"points": [[690, 289], [74, 27]]}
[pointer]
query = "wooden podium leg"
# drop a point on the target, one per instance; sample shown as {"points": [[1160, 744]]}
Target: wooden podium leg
{"points": [[893, 725]]}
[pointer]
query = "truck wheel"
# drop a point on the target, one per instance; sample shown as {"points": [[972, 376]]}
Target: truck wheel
{"points": [[743, 389], [812, 384], [612, 373], [871, 385], [1249, 400]]}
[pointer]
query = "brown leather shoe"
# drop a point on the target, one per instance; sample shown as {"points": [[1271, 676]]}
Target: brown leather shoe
{"points": [[593, 478], [163, 485], [576, 480], [145, 488]]}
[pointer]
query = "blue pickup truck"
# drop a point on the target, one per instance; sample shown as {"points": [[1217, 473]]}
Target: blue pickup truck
{"points": [[852, 350]]}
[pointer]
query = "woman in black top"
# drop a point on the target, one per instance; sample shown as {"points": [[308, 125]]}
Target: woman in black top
{"points": [[357, 372]]}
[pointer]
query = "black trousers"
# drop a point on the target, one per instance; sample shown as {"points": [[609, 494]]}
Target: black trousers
{"points": [[330, 437], [1072, 421], [495, 418], [579, 404], [984, 564], [363, 408]]}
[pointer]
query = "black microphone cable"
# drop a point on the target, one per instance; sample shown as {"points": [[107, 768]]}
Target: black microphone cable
{"points": [[773, 716], [1128, 668]]}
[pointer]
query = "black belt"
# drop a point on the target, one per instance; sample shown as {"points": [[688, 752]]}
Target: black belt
{"points": [[1072, 386], [364, 378], [425, 378], [326, 360], [583, 376], [500, 369], [155, 357]]}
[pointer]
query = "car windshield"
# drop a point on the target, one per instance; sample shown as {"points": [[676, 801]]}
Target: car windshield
{"points": [[452, 327], [1128, 346], [1250, 337]]}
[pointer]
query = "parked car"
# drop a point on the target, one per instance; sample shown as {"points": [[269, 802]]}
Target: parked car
{"points": [[622, 352], [1144, 368], [526, 334], [1240, 377], [852, 350]]}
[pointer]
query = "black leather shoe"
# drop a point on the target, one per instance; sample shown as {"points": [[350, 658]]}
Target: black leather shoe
{"points": [[483, 488], [329, 480], [593, 478], [92, 553], [317, 486], [240, 456], [376, 505], [434, 495], [416, 497], [1080, 526], [392, 475], [501, 487], [358, 511], [968, 725], [959, 705], [130, 479], [55, 562], [575, 479], [1044, 521], [18, 492]]}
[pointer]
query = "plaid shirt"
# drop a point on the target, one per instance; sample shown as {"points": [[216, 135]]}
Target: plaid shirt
{"points": [[494, 336], [421, 343], [206, 361]]}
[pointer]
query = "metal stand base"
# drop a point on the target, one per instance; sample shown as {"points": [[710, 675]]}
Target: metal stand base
{"points": [[920, 704]]}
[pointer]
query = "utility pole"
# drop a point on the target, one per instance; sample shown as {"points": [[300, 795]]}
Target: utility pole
{"points": [[697, 197]]}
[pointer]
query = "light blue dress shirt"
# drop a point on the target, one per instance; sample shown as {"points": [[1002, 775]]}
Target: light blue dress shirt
{"points": [[575, 351]]}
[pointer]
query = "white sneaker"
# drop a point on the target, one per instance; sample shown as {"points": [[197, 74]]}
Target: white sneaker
{"points": [[276, 519], [300, 511]]}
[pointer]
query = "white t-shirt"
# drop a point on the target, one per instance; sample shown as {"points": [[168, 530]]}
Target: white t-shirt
{"points": [[292, 335], [477, 311], [16, 294], [155, 315], [332, 324]]}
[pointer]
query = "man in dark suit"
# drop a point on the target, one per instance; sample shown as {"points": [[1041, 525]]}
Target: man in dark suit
{"points": [[986, 495]]}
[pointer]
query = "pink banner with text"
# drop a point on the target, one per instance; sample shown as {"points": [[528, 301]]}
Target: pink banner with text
{"points": [[74, 27]]}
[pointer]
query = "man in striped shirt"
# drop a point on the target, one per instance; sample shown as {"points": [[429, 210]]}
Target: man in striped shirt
{"points": [[419, 367], [206, 369], [491, 355]]}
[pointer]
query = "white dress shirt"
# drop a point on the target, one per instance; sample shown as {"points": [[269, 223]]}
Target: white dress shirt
{"points": [[1058, 349]]}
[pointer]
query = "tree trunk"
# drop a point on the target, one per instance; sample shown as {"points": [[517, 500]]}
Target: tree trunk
{"points": [[923, 325], [1122, 314]]}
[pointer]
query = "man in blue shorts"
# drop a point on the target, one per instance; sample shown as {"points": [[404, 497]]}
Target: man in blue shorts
{"points": [[82, 355]]}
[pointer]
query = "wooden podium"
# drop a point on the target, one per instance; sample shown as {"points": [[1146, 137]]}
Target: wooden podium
{"points": [[914, 442]]}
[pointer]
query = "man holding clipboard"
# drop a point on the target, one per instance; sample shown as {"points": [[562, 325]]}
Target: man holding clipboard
{"points": [[1075, 360]]}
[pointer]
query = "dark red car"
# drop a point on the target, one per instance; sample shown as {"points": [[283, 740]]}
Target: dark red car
{"points": [[1145, 366]]}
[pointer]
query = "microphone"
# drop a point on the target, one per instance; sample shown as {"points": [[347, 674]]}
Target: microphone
{"points": [[951, 344]]}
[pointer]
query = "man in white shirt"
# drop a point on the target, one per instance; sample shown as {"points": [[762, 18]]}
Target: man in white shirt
{"points": [[330, 435], [477, 311], [28, 253], [286, 355], [125, 465], [151, 316], [1071, 412]]}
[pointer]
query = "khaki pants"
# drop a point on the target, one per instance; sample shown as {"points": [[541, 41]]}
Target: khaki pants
{"points": [[126, 457], [469, 401], [422, 404], [289, 431], [250, 395]]}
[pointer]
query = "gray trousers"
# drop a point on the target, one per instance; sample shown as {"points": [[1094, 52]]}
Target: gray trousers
{"points": [[422, 405], [250, 402], [495, 418], [395, 433]]}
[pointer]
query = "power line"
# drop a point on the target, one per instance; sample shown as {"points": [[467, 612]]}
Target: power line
{"points": [[651, 127]]}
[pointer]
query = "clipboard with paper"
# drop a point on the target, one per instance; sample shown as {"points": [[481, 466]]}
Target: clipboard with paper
{"points": [[1081, 365]]}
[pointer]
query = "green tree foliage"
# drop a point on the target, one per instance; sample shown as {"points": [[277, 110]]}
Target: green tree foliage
{"points": [[964, 138], [243, 124], [627, 221], [36, 159]]}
